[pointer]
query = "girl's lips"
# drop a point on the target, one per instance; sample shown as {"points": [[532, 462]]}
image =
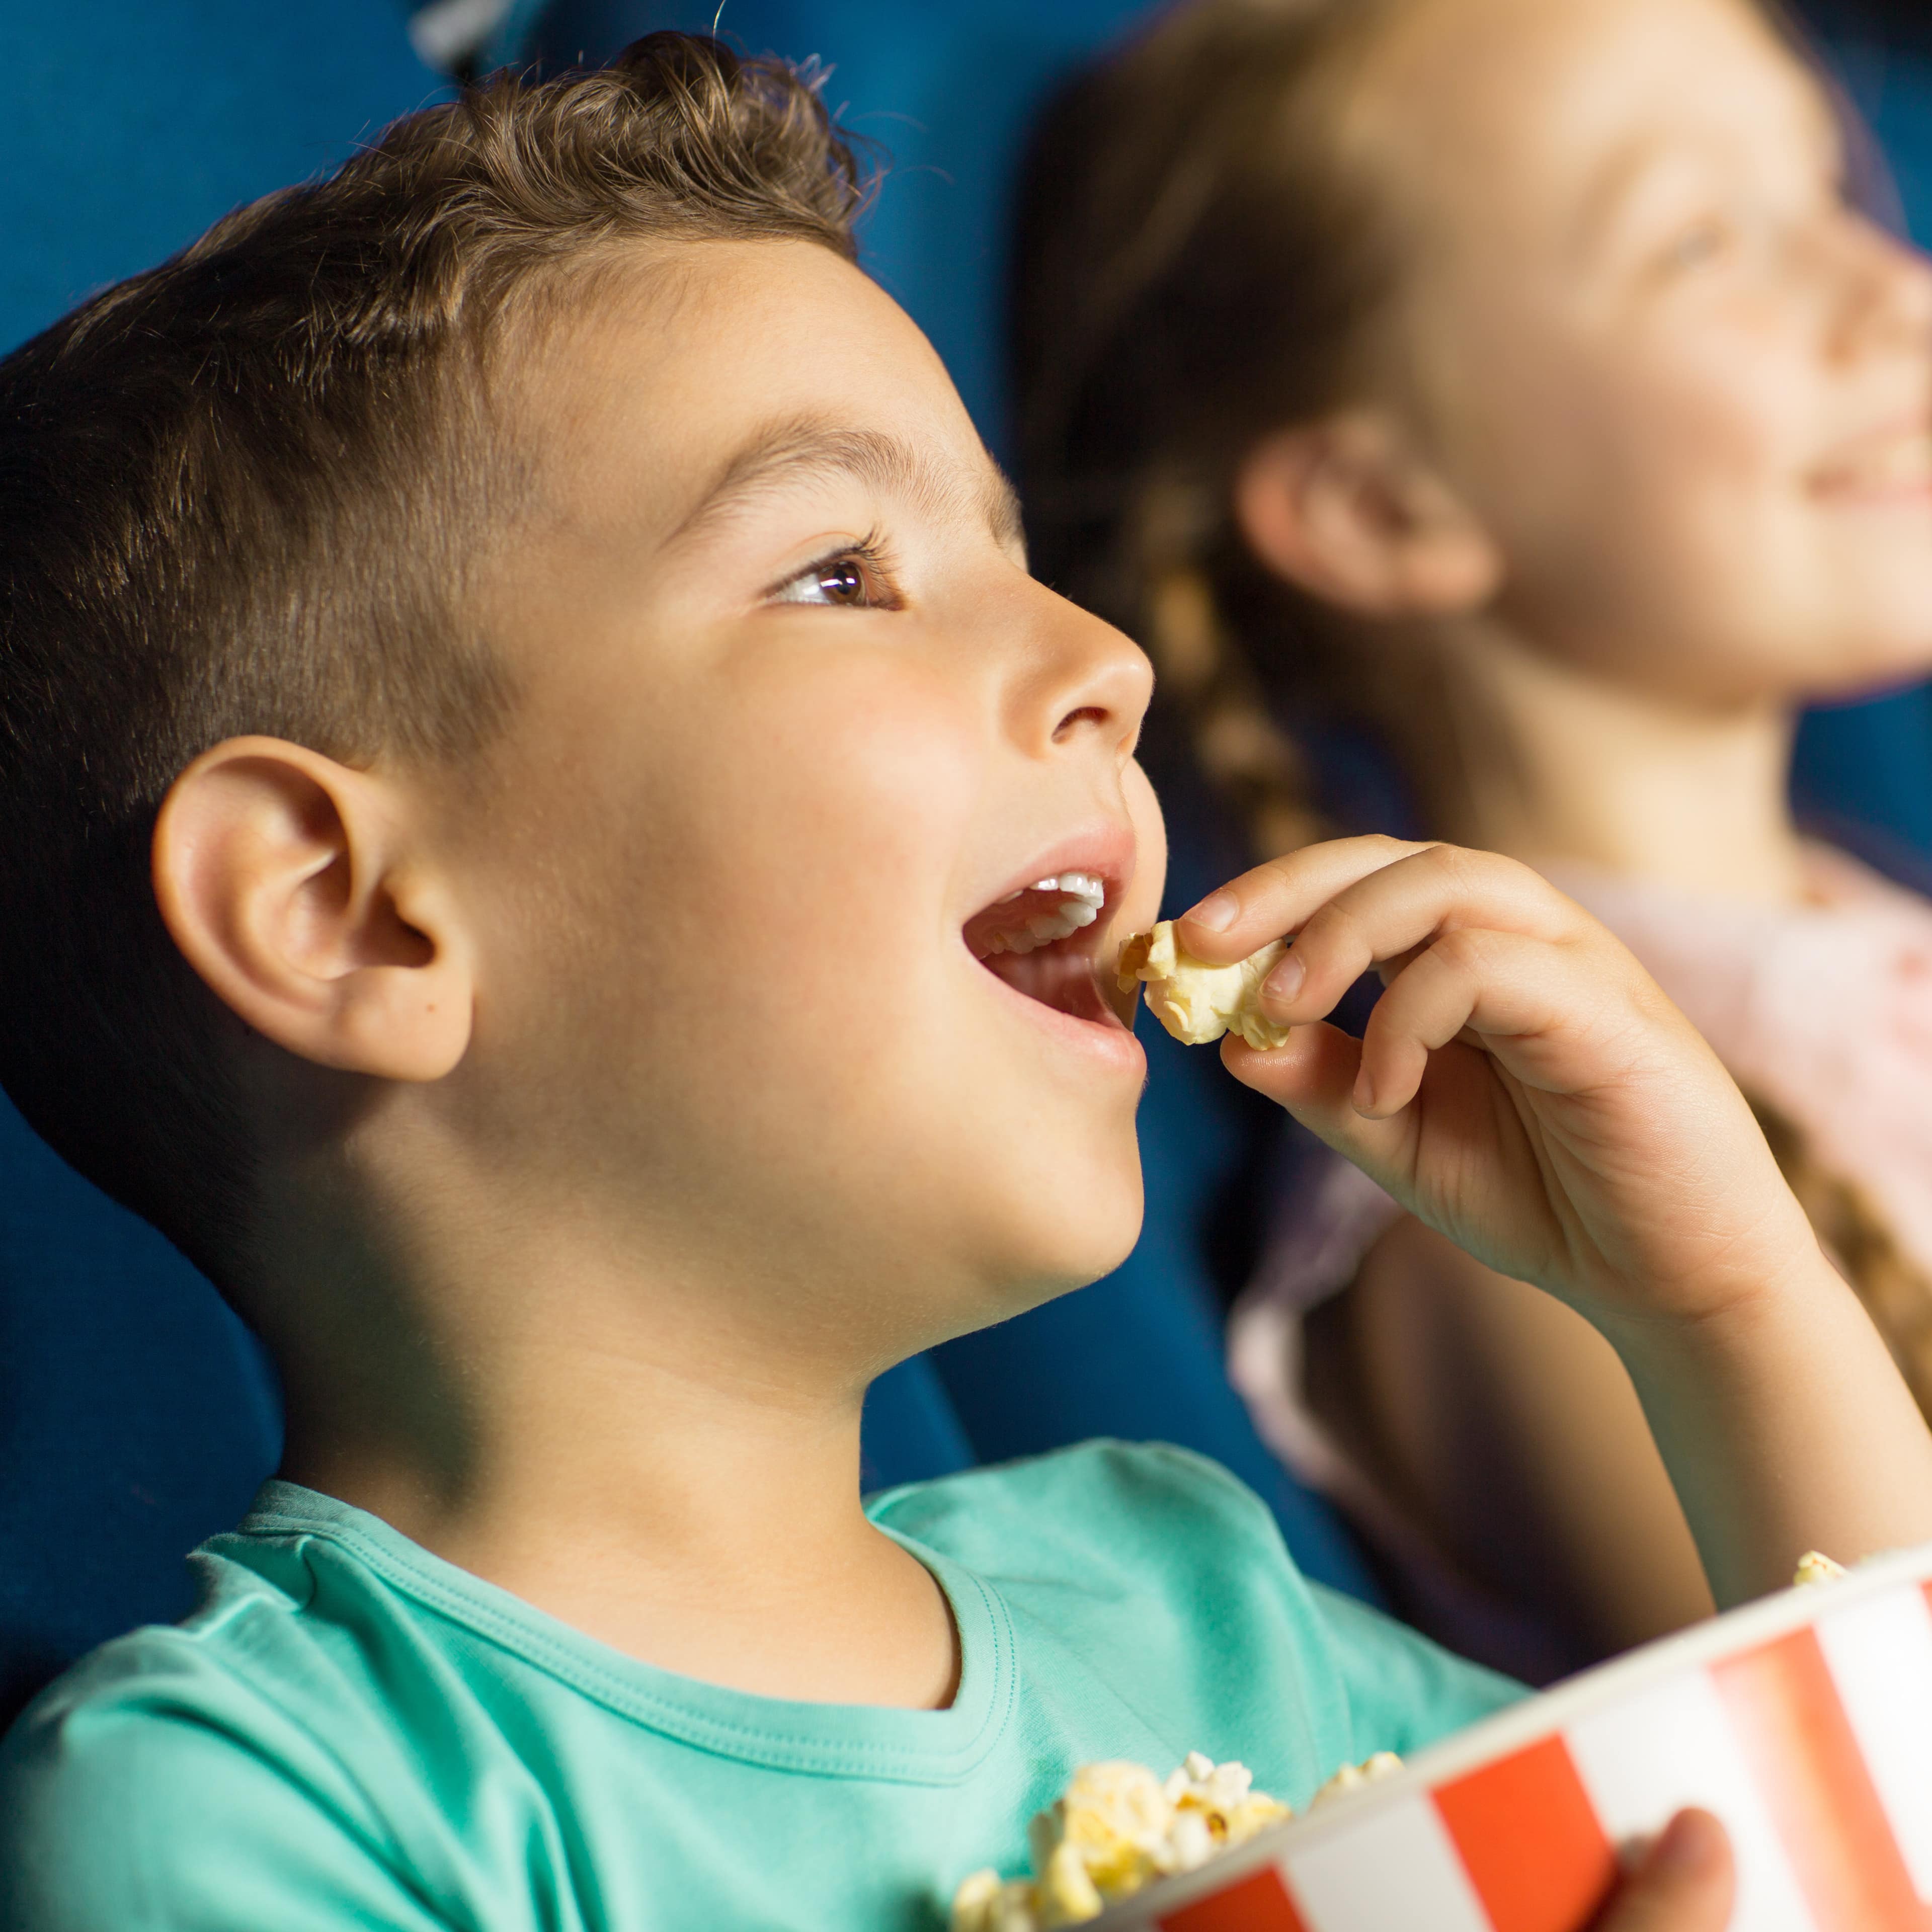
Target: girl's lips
{"points": [[1893, 466]]}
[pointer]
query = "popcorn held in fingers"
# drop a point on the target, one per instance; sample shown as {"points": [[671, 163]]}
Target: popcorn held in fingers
{"points": [[1815, 1566], [1197, 1003], [1116, 1829]]}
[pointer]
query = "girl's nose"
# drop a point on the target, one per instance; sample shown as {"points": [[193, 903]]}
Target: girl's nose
{"points": [[1889, 301]]}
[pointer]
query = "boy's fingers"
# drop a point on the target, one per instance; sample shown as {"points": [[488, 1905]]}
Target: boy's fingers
{"points": [[1405, 908], [1685, 1883], [1379, 880], [1314, 1077], [1247, 912], [1499, 984]]}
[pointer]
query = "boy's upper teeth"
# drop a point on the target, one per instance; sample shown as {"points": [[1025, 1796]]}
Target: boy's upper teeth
{"points": [[1076, 885], [1082, 895]]}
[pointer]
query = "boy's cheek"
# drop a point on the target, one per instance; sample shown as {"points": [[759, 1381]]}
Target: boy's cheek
{"points": [[1140, 905], [1141, 902]]}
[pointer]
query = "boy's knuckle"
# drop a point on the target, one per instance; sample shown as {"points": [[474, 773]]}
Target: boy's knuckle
{"points": [[1466, 951]]}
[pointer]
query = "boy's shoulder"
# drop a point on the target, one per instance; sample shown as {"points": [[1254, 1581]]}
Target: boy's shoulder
{"points": [[210, 1661], [159, 1730]]}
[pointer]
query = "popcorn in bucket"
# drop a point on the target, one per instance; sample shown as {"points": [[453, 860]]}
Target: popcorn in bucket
{"points": [[1803, 1721]]}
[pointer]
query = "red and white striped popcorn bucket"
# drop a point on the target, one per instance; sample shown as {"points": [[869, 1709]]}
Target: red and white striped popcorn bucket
{"points": [[1803, 1721]]}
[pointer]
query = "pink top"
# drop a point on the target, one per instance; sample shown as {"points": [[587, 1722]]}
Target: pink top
{"points": [[1823, 1009]]}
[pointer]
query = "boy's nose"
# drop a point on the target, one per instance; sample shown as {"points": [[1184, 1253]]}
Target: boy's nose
{"points": [[1083, 677]]}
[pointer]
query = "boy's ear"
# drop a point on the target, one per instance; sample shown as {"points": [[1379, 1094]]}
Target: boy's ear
{"points": [[289, 882], [1350, 511]]}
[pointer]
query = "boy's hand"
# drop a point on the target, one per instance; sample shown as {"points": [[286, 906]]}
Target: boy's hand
{"points": [[1526, 1089], [1685, 1883], [1523, 1087]]}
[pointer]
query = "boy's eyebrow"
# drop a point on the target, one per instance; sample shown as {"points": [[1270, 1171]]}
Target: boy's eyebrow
{"points": [[804, 449]]}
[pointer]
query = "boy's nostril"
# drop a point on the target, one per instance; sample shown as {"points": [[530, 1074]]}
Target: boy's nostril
{"points": [[1088, 714]]}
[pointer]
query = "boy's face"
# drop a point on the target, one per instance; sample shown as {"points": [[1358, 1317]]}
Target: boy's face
{"points": [[795, 721]]}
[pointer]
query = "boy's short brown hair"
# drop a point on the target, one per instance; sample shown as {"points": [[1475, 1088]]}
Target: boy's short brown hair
{"points": [[240, 493]]}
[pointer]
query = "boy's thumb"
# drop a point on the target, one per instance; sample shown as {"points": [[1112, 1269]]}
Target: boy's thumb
{"points": [[1685, 1883]]}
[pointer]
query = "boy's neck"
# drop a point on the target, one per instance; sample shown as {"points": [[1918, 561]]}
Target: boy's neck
{"points": [[691, 1510], [1553, 766]]}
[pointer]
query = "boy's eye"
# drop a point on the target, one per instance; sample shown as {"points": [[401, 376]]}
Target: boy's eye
{"points": [[849, 581]]}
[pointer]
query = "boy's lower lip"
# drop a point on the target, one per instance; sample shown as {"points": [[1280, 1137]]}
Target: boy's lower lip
{"points": [[1101, 1037]]}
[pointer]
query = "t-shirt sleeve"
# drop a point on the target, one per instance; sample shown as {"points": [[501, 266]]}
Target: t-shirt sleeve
{"points": [[1388, 1686], [1168, 1570], [130, 1816], [1403, 1691]]}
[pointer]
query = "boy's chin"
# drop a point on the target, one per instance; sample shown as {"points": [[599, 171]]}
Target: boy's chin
{"points": [[1080, 1251]]}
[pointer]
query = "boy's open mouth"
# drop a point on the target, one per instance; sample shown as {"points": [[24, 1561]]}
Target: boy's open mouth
{"points": [[1042, 942]]}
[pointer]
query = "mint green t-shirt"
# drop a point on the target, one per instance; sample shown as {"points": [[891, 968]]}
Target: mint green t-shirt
{"points": [[350, 1732]]}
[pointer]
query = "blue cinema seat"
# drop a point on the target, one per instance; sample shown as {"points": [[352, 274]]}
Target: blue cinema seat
{"points": [[136, 1416], [1864, 771]]}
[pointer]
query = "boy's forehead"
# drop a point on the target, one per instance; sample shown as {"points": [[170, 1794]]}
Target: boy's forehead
{"points": [[705, 373]]}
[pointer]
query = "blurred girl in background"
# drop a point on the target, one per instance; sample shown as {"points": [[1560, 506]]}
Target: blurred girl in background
{"points": [[1512, 383]]}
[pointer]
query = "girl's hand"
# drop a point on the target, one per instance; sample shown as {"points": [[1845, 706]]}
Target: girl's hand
{"points": [[1523, 1087]]}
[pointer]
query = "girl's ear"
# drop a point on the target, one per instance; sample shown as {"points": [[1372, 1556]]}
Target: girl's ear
{"points": [[1348, 510], [291, 884]]}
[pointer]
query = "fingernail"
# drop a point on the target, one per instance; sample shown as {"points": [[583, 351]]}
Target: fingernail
{"points": [[1216, 912], [1685, 1847], [1285, 981], [1363, 1098]]}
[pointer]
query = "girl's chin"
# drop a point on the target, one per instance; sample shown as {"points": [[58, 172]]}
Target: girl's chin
{"points": [[1870, 668]]}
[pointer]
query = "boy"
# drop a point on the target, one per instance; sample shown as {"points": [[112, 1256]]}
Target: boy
{"points": [[546, 833]]}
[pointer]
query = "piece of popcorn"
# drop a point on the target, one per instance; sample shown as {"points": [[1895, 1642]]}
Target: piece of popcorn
{"points": [[1013, 1909], [1353, 1777], [1222, 1797], [1815, 1566], [972, 1902], [1116, 1817], [984, 1903], [1190, 1841], [1205, 1786], [1197, 1003], [1065, 1893], [1256, 1813], [1116, 1829]]}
